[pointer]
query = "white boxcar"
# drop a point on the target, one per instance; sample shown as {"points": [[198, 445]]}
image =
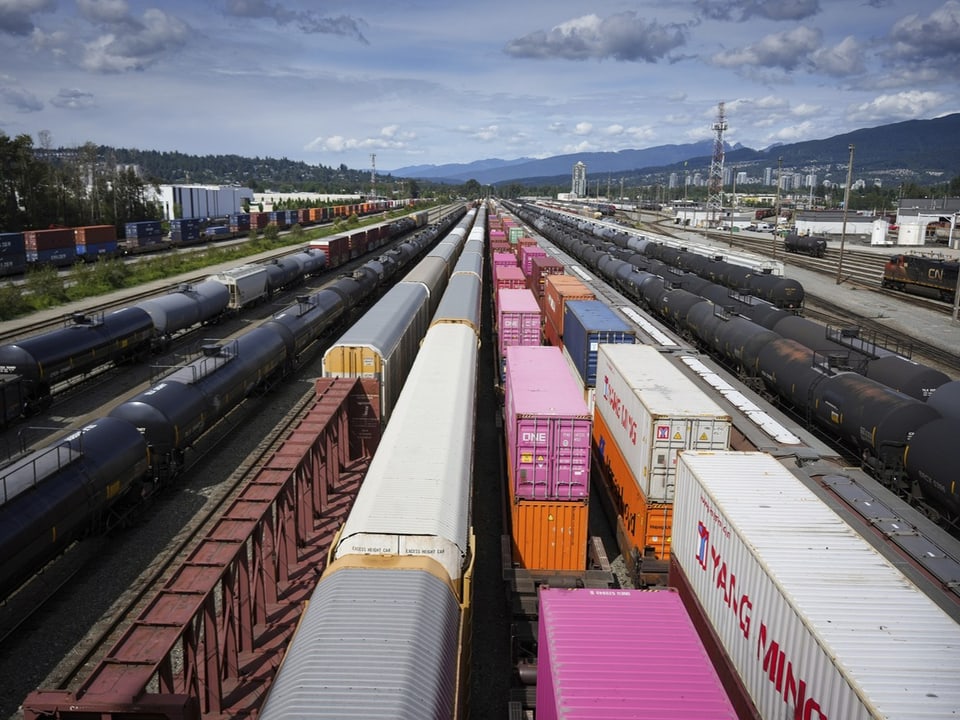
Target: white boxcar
{"points": [[415, 497], [654, 411], [817, 624]]}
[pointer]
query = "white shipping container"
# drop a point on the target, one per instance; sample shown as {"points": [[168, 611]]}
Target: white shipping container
{"points": [[817, 624], [654, 411]]}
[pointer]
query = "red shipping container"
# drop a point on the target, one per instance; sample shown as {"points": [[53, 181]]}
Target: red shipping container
{"points": [[498, 236], [551, 336], [259, 220], [559, 289], [54, 238], [511, 276], [540, 267], [518, 318], [95, 234], [548, 426]]}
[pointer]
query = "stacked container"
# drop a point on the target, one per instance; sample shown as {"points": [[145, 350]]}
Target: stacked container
{"points": [[508, 276], [13, 254], [56, 246], [185, 230], [92, 241], [647, 412], [527, 255], [548, 431], [811, 620], [558, 290], [504, 259], [518, 319], [259, 220], [586, 324], [239, 222], [611, 654], [540, 267]]}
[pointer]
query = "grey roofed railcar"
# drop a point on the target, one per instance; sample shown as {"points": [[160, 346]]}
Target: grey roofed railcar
{"points": [[461, 302], [432, 272], [470, 262], [186, 306], [371, 643], [384, 342]]}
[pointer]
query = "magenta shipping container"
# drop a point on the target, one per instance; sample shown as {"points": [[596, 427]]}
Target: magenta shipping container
{"points": [[548, 426], [617, 654], [504, 258], [527, 254], [508, 276], [518, 318]]}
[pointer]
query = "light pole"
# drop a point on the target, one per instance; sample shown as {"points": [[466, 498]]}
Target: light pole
{"points": [[846, 207]]}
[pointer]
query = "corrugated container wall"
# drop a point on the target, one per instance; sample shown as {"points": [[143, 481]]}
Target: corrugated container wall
{"points": [[527, 254], [505, 276], [586, 324], [540, 267], [655, 411], [518, 318], [814, 620], [549, 534], [560, 289], [618, 654], [548, 426]]}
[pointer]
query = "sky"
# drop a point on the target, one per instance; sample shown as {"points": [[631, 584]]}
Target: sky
{"points": [[419, 82]]}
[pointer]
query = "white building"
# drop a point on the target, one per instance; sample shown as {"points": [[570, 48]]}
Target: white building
{"points": [[205, 201]]}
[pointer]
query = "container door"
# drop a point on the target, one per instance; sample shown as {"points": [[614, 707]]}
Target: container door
{"points": [[533, 458], [571, 466]]}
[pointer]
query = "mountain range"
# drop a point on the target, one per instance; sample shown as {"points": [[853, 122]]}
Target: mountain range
{"points": [[915, 150]]}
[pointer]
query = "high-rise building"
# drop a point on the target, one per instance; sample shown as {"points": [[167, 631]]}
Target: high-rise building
{"points": [[579, 187]]}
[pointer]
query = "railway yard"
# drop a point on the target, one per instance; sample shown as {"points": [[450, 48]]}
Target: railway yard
{"points": [[185, 605]]}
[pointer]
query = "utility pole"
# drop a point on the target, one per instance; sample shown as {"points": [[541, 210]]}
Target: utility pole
{"points": [[846, 207], [776, 207]]}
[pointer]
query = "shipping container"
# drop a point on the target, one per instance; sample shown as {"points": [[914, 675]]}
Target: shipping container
{"points": [[144, 228], [514, 234], [540, 267], [59, 257], [814, 621], [185, 230], [259, 220], [247, 284], [95, 235], [52, 239], [612, 654], [527, 255], [642, 527], [239, 222], [549, 534], [13, 253], [586, 324], [558, 290], [91, 251], [548, 426], [498, 237], [654, 412], [511, 276], [518, 318], [507, 259]]}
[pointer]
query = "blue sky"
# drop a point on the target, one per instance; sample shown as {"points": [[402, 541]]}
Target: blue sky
{"points": [[429, 82]]}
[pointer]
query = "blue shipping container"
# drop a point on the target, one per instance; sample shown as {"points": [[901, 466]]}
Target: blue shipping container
{"points": [[586, 324], [144, 228], [53, 256], [12, 244], [92, 252], [240, 221], [185, 229]]}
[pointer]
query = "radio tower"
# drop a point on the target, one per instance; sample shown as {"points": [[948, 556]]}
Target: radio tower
{"points": [[373, 174], [715, 184]]}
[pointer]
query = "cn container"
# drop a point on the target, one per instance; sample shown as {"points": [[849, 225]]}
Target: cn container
{"points": [[618, 654], [548, 426], [654, 412], [586, 324], [811, 619]]}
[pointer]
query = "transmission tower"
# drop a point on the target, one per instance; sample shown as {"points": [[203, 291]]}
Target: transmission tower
{"points": [[373, 174], [715, 184]]}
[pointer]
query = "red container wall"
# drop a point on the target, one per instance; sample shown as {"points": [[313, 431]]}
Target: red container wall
{"points": [[559, 289], [540, 268], [49, 239], [95, 234]]}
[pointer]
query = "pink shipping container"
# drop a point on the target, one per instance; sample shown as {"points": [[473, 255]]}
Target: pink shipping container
{"points": [[617, 654], [527, 254], [518, 318], [49, 239], [508, 276], [548, 426], [500, 247], [498, 236], [504, 258]]}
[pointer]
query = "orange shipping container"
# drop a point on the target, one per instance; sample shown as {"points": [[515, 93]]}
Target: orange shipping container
{"points": [[640, 524], [550, 534], [557, 290], [95, 234]]}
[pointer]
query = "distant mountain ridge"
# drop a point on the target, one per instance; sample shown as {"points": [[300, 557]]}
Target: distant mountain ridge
{"points": [[915, 150]]}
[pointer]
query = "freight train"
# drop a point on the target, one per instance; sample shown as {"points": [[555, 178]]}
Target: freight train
{"points": [[92, 476], [898, 437], [805, 244], [35, 364], [922, 274], [387, 630], [64, 246]]}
